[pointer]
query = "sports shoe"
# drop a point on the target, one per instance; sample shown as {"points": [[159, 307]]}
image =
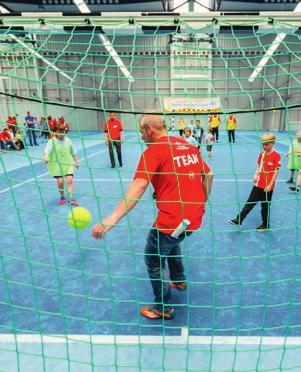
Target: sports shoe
{"points": [[180, 286], [262, 228], [234, 222], [290, 180], [294, 189], [74, 203], [152, 313], [62, 201]]}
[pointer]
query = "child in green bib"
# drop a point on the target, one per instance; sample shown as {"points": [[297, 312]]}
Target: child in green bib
{"points": [[61, 157], [294, 162]]}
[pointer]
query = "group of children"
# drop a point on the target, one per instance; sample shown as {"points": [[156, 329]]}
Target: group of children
{"points": [[194, 133], [13, 136]]}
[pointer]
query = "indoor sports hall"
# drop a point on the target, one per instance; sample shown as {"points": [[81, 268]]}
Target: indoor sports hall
{"points": [[70, 302]]}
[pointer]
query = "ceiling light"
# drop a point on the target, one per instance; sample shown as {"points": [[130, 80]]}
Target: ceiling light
{"points": [[109, 47], [81, 5]]}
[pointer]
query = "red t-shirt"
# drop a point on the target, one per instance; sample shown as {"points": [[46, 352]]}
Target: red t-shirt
{"points": [[4, 136], [267, 163], [51, 124], [113, 127], [174, 168]]}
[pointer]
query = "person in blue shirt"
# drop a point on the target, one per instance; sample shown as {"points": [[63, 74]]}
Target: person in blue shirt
{"points": [[30, 124], [198, 132]]}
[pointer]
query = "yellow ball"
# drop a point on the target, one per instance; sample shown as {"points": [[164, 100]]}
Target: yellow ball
{"points": [[79, 218]]}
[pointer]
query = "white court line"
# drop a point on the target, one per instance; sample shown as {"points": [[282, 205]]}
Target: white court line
{"points": [[251, 140], [184, 339], [44, 174], [112, 180]]}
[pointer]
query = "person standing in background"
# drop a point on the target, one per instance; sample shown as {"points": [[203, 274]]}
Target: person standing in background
{"points": [[181, 124], [231, 126], [113, 137], [30, 124], [214, 123]]}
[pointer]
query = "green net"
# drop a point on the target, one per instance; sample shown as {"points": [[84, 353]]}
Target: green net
{"points": [[69, 302]]}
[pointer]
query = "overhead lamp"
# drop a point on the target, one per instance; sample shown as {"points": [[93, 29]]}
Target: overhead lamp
{"points": [[275, 44], [278, 40], [38, 55], [109, 47], [82, 7], [3, 10]]}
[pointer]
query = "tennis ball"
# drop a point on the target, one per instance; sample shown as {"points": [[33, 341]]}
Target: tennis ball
{"points": [[79, 218]]}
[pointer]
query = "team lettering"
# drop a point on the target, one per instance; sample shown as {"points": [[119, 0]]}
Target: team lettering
{"points": [[186, 160]]}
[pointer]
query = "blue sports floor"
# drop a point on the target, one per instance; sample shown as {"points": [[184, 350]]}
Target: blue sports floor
{"points": [[58, 281]]}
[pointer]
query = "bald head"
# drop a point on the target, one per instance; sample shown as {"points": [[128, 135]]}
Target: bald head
{"points": [[269, 137]]}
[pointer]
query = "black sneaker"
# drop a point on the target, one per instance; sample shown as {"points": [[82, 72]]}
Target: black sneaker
{"points": [[290, 181], [234, 222], [262, 228], [294, 189]]}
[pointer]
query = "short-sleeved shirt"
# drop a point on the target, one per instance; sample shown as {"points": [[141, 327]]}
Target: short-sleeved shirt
{"points": [[29, 120], [198, 131], [191, 140], [267, 164], [4, 136], [209, 139], [52, 124], [174, 168], [113, 127], [63, 143]]}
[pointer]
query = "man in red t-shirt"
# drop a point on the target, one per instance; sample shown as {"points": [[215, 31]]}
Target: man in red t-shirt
{"points": [[182, 182], [269, 163], [113, 137]]}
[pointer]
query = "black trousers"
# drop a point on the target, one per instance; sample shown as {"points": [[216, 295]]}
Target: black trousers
{"points": [[258, 195], [117, 145], [215, 133], [231, 135]]}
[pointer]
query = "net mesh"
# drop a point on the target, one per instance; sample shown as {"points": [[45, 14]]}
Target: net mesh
{"points": [[68, 302]]}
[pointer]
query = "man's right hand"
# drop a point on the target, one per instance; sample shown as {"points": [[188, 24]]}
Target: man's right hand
{"points": [[107, 224]]}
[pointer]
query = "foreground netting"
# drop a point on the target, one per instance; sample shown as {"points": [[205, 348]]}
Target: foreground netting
{"points": [[68, 302]]}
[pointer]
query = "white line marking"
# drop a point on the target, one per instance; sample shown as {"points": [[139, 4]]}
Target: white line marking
{"points": [[185, 334], [44, 174], [136, 340], [23, 183], [251, 140]]}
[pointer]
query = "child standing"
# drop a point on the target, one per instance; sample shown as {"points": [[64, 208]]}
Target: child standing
{"points": [[294, 162], [60, 156], [269, 163], [198, 132], [209, 142], [189, 137]]}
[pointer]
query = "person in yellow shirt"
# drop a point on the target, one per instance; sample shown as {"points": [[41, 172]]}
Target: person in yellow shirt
{"points": [[182, 125], [214, 123], [231, 126]]}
